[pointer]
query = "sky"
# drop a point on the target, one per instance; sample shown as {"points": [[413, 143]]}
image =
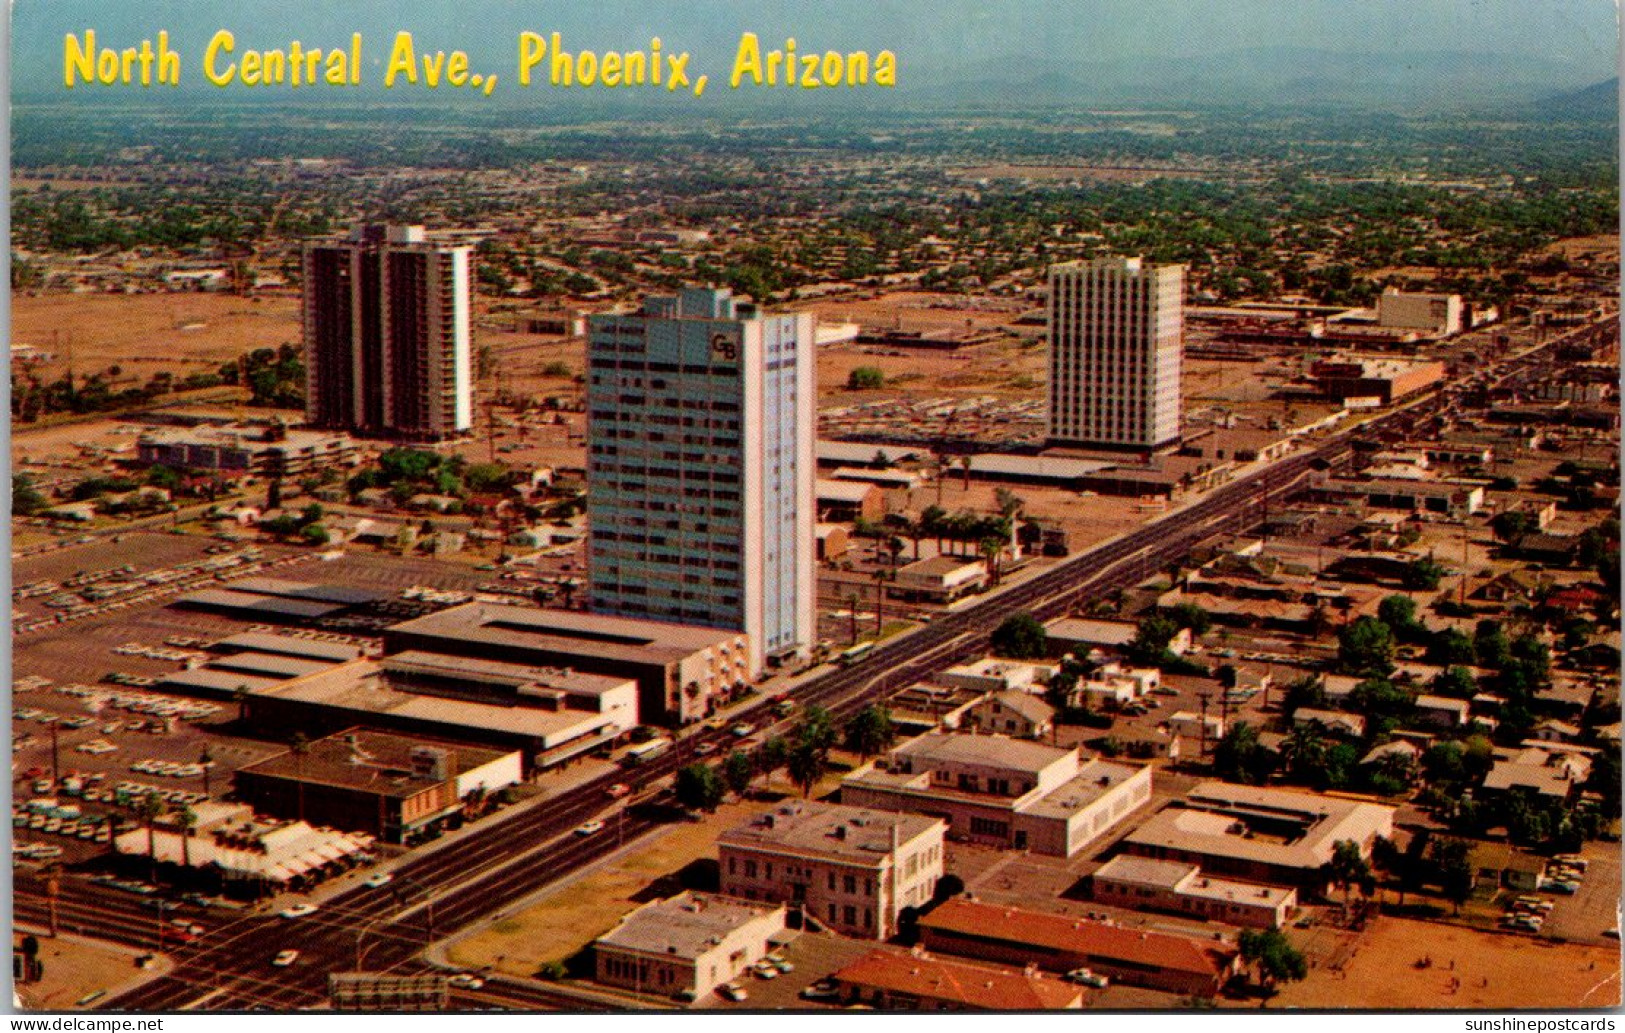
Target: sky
{"points": [[941, 36]]}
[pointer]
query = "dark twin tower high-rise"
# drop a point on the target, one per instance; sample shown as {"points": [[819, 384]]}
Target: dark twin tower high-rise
{"points": [[386, 330]]}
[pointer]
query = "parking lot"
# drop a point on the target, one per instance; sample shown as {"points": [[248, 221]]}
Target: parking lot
{"points": [[815, 956]]}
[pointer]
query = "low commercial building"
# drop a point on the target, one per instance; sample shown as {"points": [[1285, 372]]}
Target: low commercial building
{"points": [[260, 451], [848, 868], [1003, 792], [897, 981], [940, 579], [388, 786], [1141, 883], [683, 672], [686, 946], [1061, 943], [1378, 381], [1079, 635], [1415, 496], [1274, 837], [249, 855], [990, 675]]}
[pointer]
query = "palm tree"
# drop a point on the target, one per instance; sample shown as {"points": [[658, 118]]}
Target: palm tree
{"points": [[188, 822], [1347, 867], [1304, 749], [151, 808], [240, 695], [852, 608], [206, 760], [991, 548]]}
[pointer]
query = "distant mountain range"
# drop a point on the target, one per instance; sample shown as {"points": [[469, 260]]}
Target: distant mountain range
{"points": [[1600, 100], [1274, 76]]}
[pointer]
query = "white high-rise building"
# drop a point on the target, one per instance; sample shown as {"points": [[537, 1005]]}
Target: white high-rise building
{"points": [[700, 468], [386, 326], [1116, 331]]}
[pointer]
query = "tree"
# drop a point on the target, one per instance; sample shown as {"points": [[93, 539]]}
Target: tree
{"points": [[870, 731], [1513, 526], [738, 771], [1304, 750], [1456, 682], [1423, 575], [152, 807], [1020, 637], [1366, 648], [1191, 615], [1347, 867], [865, 378], [1490, 644], [25, 498], [1239, 757], [698, 787], [1399, 613], [188, 822], [1452, 861], [1151, 638], [806, 766], [771, 756], [1274, 956], [1450, 646]]}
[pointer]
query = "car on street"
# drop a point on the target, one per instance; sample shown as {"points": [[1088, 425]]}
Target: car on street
{"points": [[705, 749], [590, 828], [619, 790], [381, 879], [466, 981], [299, 910], [285, 958]]}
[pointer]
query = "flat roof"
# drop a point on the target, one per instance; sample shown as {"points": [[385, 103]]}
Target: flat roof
{"points": [[215, 682], [362, 688], [829, 830], [1097, 632], [992, 750], [285, 589], [939, 566], [265, 663], [1207, 823], [843, 491], [567, 632], [414, 661], [1094, 779], [379, 762], [252, 604], [685, 926], [1038, 468], [288, 645], [1179, 877], [858, 452]]}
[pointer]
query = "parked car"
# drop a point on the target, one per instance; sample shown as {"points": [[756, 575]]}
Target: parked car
{"points": [[381, 879], [1086, 977], [299, 910], [732, 991]]}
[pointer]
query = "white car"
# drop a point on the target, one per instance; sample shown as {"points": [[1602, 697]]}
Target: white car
{"points": [[285, 958], [590, 828], [299, 910], [381, 879], [466, 981]]}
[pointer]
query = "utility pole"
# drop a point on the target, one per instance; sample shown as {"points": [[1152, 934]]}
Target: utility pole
{"points": [[1203, 697]]}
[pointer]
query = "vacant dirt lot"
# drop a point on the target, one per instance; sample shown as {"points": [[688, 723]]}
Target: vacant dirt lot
{"points": [[145, 333], [1470, 969]]}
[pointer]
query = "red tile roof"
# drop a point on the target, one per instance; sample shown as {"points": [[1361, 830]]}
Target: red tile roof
{"points": [[1080, 936], [974, 986]]}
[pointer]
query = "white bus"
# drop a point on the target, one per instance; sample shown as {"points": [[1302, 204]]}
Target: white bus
{"points": [[856, 653], [645, 752]]}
